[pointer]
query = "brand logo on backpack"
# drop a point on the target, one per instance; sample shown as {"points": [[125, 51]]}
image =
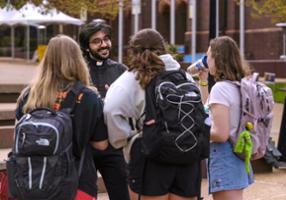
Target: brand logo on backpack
{"points": [[43, 142], [255, 120], [177, 133]]}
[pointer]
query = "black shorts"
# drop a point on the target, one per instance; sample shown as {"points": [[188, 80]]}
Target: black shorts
{"points": [[159, 178]]}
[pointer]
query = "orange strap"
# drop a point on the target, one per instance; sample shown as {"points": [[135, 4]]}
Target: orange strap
{"points": [[61, 96]]}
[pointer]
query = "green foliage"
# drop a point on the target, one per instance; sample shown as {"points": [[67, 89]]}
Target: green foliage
{"points": [[5, 41], [173, 50], [107, 8], [275, 9], [278, 94]]}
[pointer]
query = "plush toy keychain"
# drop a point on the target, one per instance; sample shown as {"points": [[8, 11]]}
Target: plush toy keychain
{"points": [[244, 145]]}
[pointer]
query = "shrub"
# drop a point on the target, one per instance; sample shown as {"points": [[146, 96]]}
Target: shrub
{"points": [[278, 94]]}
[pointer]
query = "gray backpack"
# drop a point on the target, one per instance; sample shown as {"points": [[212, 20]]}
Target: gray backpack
{"points": [[256, 107]]}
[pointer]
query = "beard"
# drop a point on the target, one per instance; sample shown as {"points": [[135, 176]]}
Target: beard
{"points": [[100, 54]]}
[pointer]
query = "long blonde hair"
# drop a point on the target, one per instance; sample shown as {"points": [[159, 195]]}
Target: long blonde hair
{"points": [[61, 66]]}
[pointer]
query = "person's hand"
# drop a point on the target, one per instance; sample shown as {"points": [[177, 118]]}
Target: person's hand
{"points": [[93, 88], [203, 74], [106, 87], [100, 145]]}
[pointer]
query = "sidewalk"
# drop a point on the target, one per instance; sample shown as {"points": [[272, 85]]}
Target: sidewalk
{"points": [[268, 186], [18, 72]]}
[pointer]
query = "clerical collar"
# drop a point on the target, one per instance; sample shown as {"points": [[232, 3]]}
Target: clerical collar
{"points": [[97, 62]]}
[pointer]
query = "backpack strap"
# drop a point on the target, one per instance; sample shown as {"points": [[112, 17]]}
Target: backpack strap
{"points": [[167, 73], [255, 77], [150, 99], [73, 97], [238, 85], [82, 157]]}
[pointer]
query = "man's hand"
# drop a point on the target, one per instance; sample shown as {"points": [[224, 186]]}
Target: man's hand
{"points": [[106, 87], [100, 145]]}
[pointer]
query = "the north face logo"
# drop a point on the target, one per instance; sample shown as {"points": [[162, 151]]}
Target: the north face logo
{"points": [[43, 142]]}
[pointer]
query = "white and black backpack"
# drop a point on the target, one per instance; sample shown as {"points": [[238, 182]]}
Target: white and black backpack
{"points": [[41, 165]]}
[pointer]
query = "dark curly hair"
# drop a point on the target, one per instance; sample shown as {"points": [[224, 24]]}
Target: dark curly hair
{"points": [[145, 47], [88, 30]]}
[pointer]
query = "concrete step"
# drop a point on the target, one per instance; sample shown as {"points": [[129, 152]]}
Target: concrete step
{"points": [[6, 136], [9, 93], [7, 114], [3, 157]]}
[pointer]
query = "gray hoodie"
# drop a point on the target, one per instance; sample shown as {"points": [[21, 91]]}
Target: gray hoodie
{"points": [[126, 99]]}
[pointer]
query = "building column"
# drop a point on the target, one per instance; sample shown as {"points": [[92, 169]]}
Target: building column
{"points": [[120, 31], [154, 16], [241, 27], [172, 20]]}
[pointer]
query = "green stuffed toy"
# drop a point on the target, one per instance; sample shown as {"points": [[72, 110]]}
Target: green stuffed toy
{"points": [[244, 145]]}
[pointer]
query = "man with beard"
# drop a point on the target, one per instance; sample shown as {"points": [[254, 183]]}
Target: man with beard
{"points": [[95, 42]]}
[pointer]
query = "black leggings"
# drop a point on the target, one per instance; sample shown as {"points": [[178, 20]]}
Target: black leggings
{"points": [[112, 167]]}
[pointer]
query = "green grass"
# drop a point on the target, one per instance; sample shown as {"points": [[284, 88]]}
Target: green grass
{"points": [[279, 95]]}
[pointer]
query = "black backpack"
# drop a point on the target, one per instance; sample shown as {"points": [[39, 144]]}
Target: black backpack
{"points": [[42, 165], [174, 129]]}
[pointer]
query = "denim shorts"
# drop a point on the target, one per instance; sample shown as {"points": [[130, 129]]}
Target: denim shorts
{"points": [[225, 170]]}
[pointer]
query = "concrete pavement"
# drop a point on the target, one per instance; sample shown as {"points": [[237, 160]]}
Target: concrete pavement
{"points": [[17, 72], [268, 186]]}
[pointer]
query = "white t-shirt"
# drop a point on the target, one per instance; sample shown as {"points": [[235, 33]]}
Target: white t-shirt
{"points": [[227, 94]]}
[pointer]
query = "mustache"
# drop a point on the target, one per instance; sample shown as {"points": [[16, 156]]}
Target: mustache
{"points": [[103, 48]]}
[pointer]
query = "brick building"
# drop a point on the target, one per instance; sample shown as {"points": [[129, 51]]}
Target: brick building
{"points": [[263, 39]]}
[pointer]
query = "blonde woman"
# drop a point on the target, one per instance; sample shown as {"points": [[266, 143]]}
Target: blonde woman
{"points": [[63, 66], [227, 175]]}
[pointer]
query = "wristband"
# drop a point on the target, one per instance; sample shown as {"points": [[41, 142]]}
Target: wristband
{"points": [[203, 83]]}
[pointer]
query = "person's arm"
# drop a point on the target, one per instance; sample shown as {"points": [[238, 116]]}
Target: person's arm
{"points": [[220, 123], [21, 101], [100, 139], [89, 126], [203, 84], [117, 110]]}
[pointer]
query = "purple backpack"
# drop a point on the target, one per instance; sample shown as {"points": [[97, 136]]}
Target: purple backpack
{"points": [[256, 107]]}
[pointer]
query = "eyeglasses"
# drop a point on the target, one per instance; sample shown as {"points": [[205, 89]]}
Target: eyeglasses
{"points": [[99, 41]]}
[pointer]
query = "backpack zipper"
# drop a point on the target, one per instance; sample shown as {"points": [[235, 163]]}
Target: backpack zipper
{"points": [[43, 172], [30, 172]]}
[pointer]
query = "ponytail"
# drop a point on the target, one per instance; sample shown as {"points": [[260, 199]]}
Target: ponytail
{"points": [[147, 64]]}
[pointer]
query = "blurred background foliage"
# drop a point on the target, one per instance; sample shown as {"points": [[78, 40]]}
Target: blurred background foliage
{"points": [[107, 8], [173, 50], [278, 91], [275, 9]]}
